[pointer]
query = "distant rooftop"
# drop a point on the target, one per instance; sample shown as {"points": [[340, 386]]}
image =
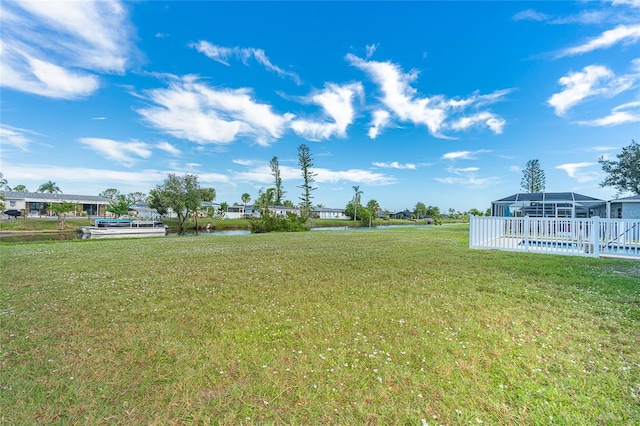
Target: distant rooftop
{"points": [[550, 197]]}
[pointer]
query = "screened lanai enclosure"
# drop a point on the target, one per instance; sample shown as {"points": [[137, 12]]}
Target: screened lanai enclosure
{"points": [[549, 204]]}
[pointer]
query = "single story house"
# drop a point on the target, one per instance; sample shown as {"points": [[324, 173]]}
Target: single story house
{"points": [[624, 208], [35, 203], [548, 204]]}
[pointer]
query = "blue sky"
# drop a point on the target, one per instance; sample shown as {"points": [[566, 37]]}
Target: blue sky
{"points": [[435, 102]]}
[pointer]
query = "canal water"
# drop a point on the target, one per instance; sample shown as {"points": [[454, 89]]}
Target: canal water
{"points": [[36, 237]]}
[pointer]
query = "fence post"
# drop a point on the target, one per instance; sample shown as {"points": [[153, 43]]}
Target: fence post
{"points": [[471, 231], [526, 232], [594, 238]]}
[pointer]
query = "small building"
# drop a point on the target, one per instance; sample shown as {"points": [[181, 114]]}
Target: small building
{"points": [[36, 203], [327, 213], [548, 204], [624, 208]]}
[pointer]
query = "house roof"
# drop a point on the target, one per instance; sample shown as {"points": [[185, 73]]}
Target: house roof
{"points": [[550, 197], [633, 199], [55, 198]]}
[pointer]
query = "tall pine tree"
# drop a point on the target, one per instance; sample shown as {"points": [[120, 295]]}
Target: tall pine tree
{"points": [[533, 179]]}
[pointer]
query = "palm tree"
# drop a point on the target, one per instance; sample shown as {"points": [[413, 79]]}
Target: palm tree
{"points": [[245, 199], [49, 187], [356, 201]]}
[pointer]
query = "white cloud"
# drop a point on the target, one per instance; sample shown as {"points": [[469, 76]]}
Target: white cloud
{"points": [[262, 175], [353, 175], [337, 103], [14, 137], [463, 155], [574, 170], [194, 111], [530, 15], [470, 181], [125, 153], [591, 81], [380, 120], [395, 165], [488, 119], [167, 147], [622, 114], [93, 180], [222, 54], [371, 49], [632, 3], [515, 169], [463, 171], [401, 99], [622, 33], [603, 148], [54, 49]]}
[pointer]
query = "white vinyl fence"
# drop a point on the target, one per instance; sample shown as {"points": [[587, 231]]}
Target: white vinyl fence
{"points": [[578, 237]]}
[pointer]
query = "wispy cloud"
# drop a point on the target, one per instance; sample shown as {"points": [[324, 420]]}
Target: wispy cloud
{"points": [[470, 181], [632, 3], [371, 49], [191, 110], [462, 171], [530, 15], [437, 113], [575, 171], [223, 54], [379, 120], [622, 114], [591, 81], [262, 175], [167, 147], [463, 155], [337, 104], [395, 165], [13, 136], [621, 34], [55, 49], [125, 153]]}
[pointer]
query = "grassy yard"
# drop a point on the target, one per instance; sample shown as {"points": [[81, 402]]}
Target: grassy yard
{"points": [[331, 327]]}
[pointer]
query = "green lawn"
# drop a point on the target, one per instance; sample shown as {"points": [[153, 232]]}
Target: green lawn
{"points": [[331, 327]]}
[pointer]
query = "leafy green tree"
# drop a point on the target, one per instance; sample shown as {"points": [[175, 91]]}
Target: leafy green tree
{"points": [[205, 194], [533, 178], [49, 187], [4, 185], [420, 210], [136, 197], [119, 205], [623, 174], [269, 221], [20, 188], [356, 200], [224, 207], [373, 207], [275, 171], [110, 194], [305, 161], [476, 212], [180, 193], [434, 213], [61, 210], [365, 216]]}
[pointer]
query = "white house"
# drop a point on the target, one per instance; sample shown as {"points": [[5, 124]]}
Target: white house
{"points": [[624, 208]]}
